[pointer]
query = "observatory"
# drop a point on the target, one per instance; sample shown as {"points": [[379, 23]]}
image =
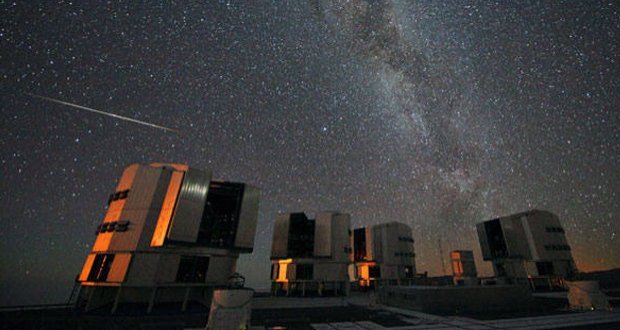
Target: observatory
{"points": [[527, 247], [170, 235], [311, 256], [384, 253]]}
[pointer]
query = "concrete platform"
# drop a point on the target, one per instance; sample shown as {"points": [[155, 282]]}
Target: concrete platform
{"points": [[295, 302], [359, 311]]}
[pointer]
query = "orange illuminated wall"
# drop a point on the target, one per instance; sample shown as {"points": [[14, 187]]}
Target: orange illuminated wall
{"points": [[363, 273], [457, 268], [119, 268], [167, 209], [283, 269], [87, 266], [102, 242], [115, 208]]}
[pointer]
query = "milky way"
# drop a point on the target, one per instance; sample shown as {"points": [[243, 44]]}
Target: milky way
{"points": [[429, 101], [438, 115]]}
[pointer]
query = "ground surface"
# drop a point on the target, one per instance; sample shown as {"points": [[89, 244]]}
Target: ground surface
{"points": [[355, 312]]}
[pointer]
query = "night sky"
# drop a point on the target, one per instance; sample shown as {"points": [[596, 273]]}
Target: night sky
{"points": [[436, 114]]}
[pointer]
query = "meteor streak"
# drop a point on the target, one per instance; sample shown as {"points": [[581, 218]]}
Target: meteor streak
{"points": [[103, 112]]}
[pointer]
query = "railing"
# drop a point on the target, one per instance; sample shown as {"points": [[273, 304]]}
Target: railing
{"points": [[71, 302], [304, 286], [21, 308]]}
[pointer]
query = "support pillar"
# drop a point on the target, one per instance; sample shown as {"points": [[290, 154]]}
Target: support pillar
{"points": [[116, 299], [186, 298], [152, 300], [91, 294]]}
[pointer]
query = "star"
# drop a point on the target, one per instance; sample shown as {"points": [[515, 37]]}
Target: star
{"points": [[437, 115]]}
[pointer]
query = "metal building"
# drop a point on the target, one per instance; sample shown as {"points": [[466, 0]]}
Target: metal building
{"points": [[170, 234], [384, 253], [311, 256], [527, 247]]}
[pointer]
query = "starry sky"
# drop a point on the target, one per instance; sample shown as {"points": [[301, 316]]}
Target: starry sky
{"points": [[436, 114]]}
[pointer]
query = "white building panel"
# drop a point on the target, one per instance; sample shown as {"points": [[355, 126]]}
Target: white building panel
{"points": [[246, 228], [279, 243], [190, 206], [323, 244], [341, 246]]}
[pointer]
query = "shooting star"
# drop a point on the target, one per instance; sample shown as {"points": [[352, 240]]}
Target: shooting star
{"points": [[113, 115]]}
